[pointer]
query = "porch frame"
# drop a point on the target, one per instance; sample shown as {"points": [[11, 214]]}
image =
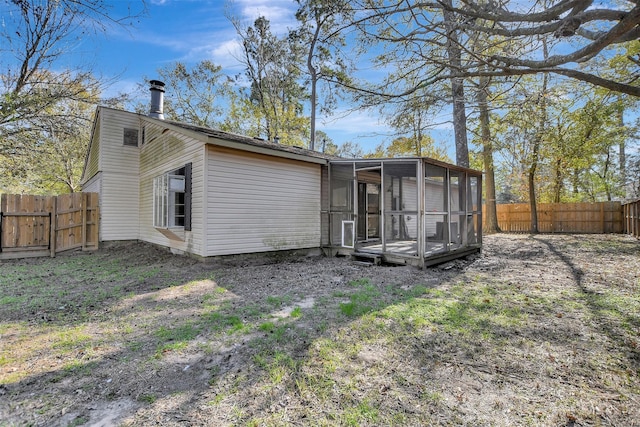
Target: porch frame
{"points": [[469, 213]]}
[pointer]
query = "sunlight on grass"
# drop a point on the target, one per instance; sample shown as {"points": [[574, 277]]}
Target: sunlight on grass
{"points": [[218, 322], [279, 300], [366, 299], [364, 412], [184, 332], [402, 347], [12, 300], [71, 338], [278, 365], [173, 339], [267, 327], [29, 342]]}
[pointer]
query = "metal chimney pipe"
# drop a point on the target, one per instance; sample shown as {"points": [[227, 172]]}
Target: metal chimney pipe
{"points": [[157, 99]]}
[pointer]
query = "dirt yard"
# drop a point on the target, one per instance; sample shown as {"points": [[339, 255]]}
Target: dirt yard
{"points": [[537, 330]]}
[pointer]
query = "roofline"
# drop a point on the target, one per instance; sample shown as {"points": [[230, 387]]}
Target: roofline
{"points": [[243, 143], [400, 159], [259, 146], [86, 156], [265, 150]]}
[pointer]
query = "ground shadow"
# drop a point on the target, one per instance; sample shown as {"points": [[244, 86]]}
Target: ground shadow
{"points": [[596, 298], [151, 366]]}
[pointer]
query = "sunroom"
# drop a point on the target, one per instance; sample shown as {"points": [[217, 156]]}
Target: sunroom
{"points": [[416, 211]]}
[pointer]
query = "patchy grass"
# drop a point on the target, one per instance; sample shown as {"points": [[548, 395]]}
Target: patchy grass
{"points": [[539, 330], [177, 338]]}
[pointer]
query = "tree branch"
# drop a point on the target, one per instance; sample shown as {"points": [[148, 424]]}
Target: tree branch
{"points": [[627, 24]]}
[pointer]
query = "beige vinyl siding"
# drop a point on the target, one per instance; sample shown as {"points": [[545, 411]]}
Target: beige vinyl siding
{"points": [[119, 165], [259, 203], [324, 218], [161, 153], [119, 207], [94, 185], [93, 161]]}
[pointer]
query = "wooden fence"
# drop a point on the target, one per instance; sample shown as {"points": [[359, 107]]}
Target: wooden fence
{"points": [[33, 226], [631, 215], [603, 217]]}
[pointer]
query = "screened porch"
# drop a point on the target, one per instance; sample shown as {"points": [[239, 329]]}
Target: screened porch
{"points": [[415, 211]]}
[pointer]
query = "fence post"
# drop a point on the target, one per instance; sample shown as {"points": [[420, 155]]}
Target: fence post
{"points": [[636, 218], [83, 208], [3, 206], [53, 226]]}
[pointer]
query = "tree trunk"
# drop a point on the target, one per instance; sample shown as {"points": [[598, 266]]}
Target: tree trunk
{"points": [[622, 156], [417, 131], [536, 147], [457, 88], [314, 83], [607, 186], [491, 216], [557, 185], [532, 198], [313, 75]]}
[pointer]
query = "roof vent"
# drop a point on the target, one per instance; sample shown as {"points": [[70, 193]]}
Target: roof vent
{"points": [[157, 99]]}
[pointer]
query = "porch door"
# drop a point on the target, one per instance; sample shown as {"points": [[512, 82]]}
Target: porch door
{"points": [[368, 211]]}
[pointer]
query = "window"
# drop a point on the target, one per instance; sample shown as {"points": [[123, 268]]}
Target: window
{"points": [[130, 137], [172, 199]]}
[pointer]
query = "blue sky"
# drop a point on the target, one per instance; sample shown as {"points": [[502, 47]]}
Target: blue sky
{"points": [[194, 30]]}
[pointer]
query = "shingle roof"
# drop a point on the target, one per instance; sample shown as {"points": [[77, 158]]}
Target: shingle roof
{"points": [[256, 142]]}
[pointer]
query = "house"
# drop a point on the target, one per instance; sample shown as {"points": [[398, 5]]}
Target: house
{"points": [[210, 193]]}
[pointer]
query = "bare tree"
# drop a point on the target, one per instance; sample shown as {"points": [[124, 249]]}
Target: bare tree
{"points": [[588, 32], [196, 92], [454, 52], [491, 217], [36, 35], [272, 66], [324, 58]]}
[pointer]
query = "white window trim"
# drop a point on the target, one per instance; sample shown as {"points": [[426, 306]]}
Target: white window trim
{"points": [[164, 201], [348, 237]]}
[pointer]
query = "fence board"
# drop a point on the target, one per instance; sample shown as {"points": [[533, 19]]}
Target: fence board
{"points": [[43, 225], [631, 212], [69, 221], [25, 222], [92, 215], [603, 217]]}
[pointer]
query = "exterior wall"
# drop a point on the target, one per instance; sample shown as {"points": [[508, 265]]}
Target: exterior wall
{"points": [[161, 153], [118, 165], [94, 185], [93, 161], [324, 217], [259, 203]]}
